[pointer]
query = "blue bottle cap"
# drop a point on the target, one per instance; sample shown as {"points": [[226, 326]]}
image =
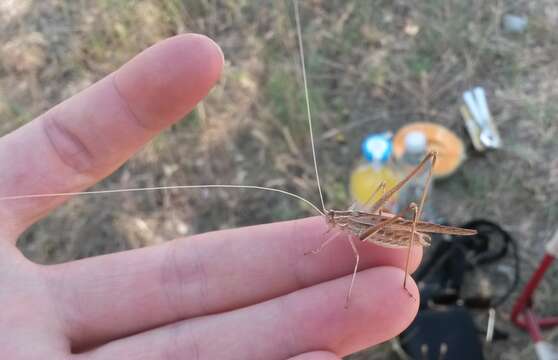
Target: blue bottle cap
{"points": [[377, 148]]}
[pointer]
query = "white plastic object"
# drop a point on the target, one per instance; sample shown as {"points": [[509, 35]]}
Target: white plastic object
{"points": [[490, 325], [415, 142], [552, 245], [545, 351], [514, 23]]}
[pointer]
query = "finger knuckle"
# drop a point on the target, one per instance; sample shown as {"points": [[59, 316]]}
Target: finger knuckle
{"points": [[182, 343], [67, 144], [184, 281]]}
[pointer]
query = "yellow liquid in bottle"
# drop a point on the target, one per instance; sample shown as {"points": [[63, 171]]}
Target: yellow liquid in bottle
{"points": [[365, 180]]}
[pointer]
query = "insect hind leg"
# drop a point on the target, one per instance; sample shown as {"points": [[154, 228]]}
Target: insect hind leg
{"points": [[430, 157], [369, 233]]}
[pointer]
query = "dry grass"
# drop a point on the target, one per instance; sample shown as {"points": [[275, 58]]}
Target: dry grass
{"points": [[369, 70]]}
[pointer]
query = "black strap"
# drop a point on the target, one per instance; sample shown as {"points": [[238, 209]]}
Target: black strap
{"points": [[443, 273]]}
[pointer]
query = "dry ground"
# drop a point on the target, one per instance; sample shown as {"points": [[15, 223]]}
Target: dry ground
{"points": [[373, 65]]}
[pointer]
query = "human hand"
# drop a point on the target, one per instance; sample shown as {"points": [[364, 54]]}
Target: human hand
{"points": [[247, 293]]}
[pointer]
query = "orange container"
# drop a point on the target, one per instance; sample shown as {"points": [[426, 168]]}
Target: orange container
{"points": [[449, 147]]}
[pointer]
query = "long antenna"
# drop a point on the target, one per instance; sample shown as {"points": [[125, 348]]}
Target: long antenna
{"points": [[157, 188], [309, 115]]}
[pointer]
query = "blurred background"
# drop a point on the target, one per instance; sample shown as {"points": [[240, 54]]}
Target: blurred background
{"points": [[373, 66]]}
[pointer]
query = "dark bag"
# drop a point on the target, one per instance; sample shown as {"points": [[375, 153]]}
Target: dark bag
{"points": [[444, 334], [444, 328]]}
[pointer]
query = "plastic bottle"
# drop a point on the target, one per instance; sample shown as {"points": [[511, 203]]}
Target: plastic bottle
{"points": [[415, 151], [375, 168]]}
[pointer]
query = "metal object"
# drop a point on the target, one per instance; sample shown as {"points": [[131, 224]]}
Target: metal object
{"points": [[523, 314], [490, 325], [479, 120]]}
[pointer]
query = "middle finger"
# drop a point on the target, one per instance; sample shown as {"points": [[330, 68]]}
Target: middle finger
{"points": [[111, 296]]}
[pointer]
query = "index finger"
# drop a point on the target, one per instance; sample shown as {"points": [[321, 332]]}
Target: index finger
{"points": [[85, 138]]}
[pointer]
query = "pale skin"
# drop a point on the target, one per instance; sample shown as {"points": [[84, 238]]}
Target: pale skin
{"points": [[247, 293]]}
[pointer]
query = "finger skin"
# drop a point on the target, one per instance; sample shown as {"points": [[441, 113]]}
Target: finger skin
{"points": [[85, 138], [29, 328], [115, 295], [316, 355], [308, 319]]}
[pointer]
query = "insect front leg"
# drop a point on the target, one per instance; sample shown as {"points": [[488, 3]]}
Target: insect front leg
{"points": [[367, 203], [327, 241], [357, 260]]}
